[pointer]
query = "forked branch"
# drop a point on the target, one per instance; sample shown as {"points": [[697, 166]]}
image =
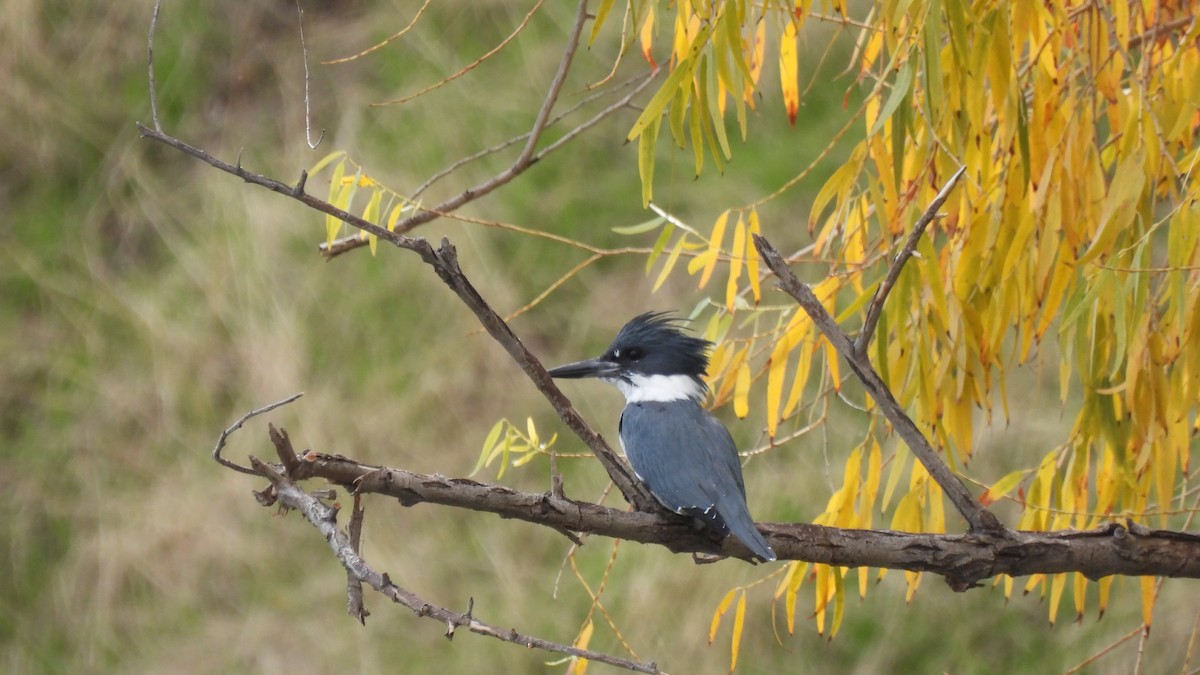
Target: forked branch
{"points": [[875, 308], [979, 519]]}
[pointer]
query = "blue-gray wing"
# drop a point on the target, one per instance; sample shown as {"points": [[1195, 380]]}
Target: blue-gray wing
{"points": [[688, 460]]}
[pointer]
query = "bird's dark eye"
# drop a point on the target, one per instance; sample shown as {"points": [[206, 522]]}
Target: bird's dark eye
{"points": [[634, 354]]}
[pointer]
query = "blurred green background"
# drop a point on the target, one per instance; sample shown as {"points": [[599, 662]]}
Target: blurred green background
{"points": [[147, 301]]}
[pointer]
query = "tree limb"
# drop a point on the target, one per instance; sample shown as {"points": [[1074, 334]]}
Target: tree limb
{"points": [[963, 559], [979, 519]]}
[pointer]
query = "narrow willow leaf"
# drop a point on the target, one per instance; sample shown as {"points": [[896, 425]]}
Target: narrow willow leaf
{"points": [[670, 263], [752, 255], [394, 217], [601, 14], [683, 71], [326, 161], [660, 245], [735, 265], [741, 391], [900, 89], [646, 160], [1120, 205], [789, 70], [776, 372], [1002, 487], [640, 228], [332, 224], [371, 215], [579, 665], [739, 622], [721, 609], [488, 443], [714, 246]]}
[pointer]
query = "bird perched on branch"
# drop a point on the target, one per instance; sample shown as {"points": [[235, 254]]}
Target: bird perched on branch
{"points": [[683, 454]]}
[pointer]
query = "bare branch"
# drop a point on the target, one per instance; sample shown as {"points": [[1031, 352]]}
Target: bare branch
{"points": [[307, 116], [914, 237], [963, 559], [324, 518], [467, 68], [216, 453], [150, 67], [979, 519]]}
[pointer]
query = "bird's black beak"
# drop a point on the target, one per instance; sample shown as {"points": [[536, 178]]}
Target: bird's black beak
{"points": [[597, 367]]}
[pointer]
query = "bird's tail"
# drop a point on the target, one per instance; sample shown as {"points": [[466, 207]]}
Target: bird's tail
{"points": [[748, 534]]}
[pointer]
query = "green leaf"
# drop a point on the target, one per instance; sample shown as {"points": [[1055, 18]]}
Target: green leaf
{"points": [[488, 444], [658, 103], [642, 227], [601, 14], [646, 161], [900, 89]]}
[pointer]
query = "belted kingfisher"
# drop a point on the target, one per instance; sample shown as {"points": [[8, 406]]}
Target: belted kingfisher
{"points": [[683, 454]]}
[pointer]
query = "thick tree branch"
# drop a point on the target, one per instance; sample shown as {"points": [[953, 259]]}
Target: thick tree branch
{"points": [[324, 518], [444, 261], [977, 517], [963, 559], [875, 308]]}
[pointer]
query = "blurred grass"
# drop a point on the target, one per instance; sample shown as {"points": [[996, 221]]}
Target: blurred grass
{"points": [[148, 301]]}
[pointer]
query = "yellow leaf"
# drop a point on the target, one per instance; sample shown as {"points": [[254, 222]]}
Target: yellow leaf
{"points": [[776, 371], [900, 87], [601, 14], [488, 444], [646, 37], [741, 391], [1120, 205], [739, 621], [789, 72], [394, 217], [579, 665], [326, 160], [714, 246], [1002, 487], [1148, 597], [1080, 595], [721, 609], [371, 214], [646, 159], [839, 601], [752, 256], [683, 71], [670, 263], [332, 224], [735, 265]]}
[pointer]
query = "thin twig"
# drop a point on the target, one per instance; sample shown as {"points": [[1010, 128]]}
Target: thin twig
{"points": [[385, 42], [469, 67], [875, 308], [979, 519], [324, 518], [216, 453], [150, 67], [458, 164], [307, 116]]}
